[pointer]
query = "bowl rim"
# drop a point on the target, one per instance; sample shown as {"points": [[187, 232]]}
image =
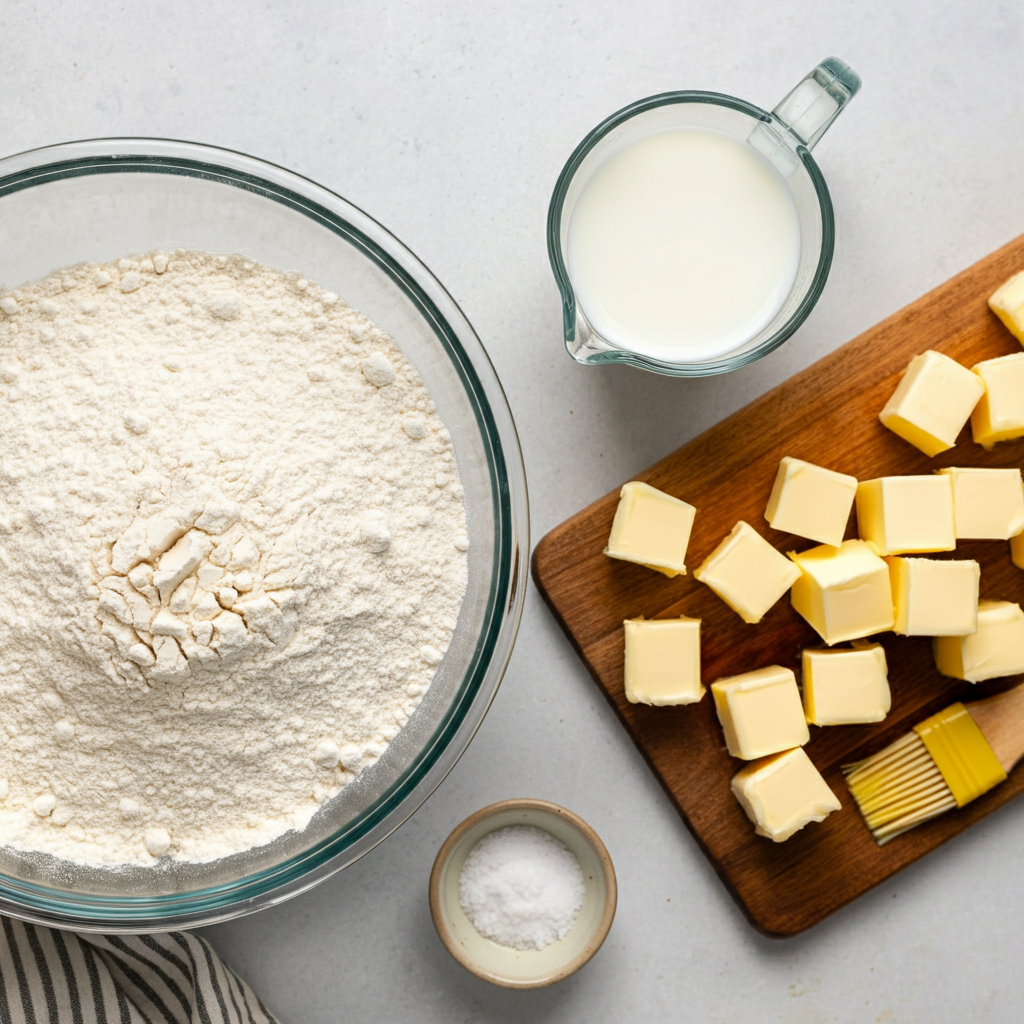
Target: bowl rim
{"points": [[40, 904], [444, 855]]}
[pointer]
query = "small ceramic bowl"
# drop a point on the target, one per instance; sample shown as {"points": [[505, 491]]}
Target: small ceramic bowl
{"points": [[514, 968]]}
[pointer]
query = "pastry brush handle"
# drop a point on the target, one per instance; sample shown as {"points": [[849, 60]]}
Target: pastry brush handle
{"points": [[1001, 721]]}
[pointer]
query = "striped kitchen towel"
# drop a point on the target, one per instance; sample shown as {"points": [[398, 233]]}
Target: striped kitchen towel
{"points": [[55, 976]]}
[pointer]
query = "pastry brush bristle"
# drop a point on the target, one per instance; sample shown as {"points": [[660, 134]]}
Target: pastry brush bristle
{"points": [[898, 788]]}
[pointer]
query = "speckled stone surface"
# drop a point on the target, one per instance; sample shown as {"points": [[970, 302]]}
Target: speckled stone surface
{"points": [[449, 123]]}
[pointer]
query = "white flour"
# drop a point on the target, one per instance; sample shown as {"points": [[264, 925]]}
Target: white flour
{"points": [[232, 554]]}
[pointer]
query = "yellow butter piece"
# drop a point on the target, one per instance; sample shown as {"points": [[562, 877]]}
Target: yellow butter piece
{"points": [[988, 504], [906, 514], [1007, 302], [1017, 550], [932, 402], [651, 528], [996, 649], [782, 794], [747, 573], [961, 753], [999, 415], [811, 501], [843, 592], [846, 687], [760, 712], [663, 661], [934, 598]]}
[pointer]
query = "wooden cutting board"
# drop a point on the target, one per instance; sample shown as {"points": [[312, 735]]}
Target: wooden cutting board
{"points": [[828, 414]]}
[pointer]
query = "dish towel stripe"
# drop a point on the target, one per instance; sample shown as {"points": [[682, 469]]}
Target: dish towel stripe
{"points": [[56, 977]]}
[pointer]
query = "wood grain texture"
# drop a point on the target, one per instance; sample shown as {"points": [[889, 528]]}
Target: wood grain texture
{"points": [[828, 414]]}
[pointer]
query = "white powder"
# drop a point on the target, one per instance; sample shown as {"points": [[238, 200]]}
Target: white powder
{"points": [[232, 554], [521, 887]]}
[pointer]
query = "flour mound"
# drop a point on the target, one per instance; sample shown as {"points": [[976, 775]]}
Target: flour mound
{"points": [[232, 554]]}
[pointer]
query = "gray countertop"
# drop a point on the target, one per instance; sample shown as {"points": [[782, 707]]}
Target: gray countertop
{"points": [[449, 123]]}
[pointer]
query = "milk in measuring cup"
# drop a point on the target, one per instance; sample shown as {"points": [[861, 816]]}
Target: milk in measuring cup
{"points": [[683, 245]]}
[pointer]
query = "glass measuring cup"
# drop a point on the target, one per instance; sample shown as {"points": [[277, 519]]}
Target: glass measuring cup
{"points": [[784, 137]]}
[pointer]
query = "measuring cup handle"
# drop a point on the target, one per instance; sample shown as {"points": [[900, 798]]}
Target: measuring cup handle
{"points": [[809, 109]]}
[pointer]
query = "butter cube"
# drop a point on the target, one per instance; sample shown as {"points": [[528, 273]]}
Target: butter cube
{"points": [[846, 687], [988, 504], [999, 416], [1017, 550], [996, 649], [747, 573], [781, 794], [663, 661], [900, 514], [843, 592], [1007, 302], [934, 598], [651, 528], [760, 712], [811, 501], [933, 402]]}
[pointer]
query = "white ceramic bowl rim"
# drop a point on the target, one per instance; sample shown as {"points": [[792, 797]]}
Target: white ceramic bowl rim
{"points": [[502, 965]]}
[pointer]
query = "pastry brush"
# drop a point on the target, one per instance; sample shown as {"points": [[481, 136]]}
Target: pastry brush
{"points": [[945, 762]]}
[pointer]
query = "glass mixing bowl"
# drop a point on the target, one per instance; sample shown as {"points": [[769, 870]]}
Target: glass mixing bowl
{"points": [[95, 200]]}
